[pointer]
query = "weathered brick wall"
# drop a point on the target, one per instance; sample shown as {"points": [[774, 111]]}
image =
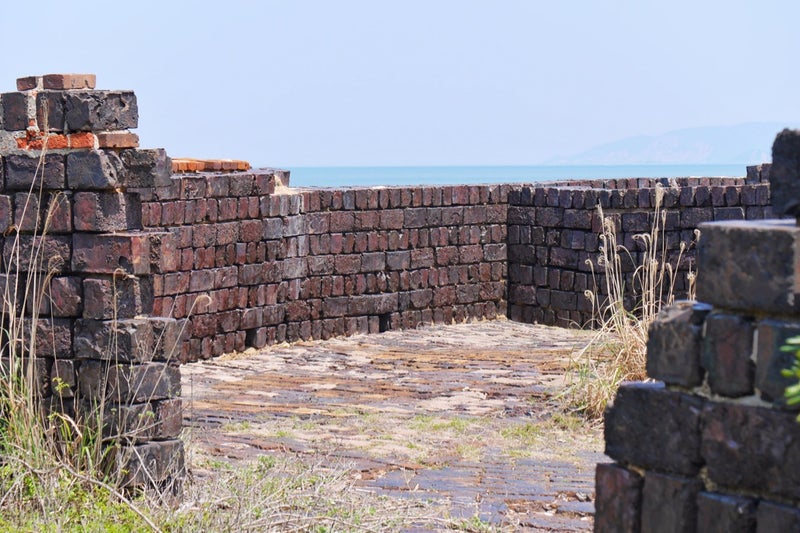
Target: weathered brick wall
{"points": [[284, 264], [75, 260], [149, 268], [553, 235], [712, 445]]}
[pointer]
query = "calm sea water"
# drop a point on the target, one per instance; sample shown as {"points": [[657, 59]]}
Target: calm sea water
{"points": [[443, 175]]}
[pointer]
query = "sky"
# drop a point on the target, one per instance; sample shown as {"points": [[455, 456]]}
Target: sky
{"points": [[416, 82]]}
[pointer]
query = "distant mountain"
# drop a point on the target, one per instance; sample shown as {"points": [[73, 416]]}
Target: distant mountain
{"points": [[744, 143]]}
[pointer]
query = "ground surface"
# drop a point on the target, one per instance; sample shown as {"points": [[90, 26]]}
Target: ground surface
{"points": [[463, 416]]}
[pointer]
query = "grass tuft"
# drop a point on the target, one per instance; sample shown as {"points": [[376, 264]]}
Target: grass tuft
{"points": [[633, 286]]}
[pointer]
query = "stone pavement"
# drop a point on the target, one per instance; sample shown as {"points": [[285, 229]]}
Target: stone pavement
{"points": [[464, 416]]}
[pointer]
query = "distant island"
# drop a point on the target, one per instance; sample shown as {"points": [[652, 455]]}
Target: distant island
{"points": [[743, 143]]}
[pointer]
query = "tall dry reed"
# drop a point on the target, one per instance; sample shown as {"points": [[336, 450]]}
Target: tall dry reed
{"points": [[633, 287]]}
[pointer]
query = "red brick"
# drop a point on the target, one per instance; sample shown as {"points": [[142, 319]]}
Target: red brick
{"points": [[81, 140], [69, 81], [27, 83], [117, 139]]}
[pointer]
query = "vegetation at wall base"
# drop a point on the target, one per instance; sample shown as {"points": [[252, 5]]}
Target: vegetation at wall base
{"points": [[630, 288]]}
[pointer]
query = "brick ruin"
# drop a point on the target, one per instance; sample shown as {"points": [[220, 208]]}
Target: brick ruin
{"points": [[156, 262], [712, 445]]}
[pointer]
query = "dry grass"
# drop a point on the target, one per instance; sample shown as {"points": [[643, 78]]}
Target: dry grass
{"points": [[58, 458], [625, 303]]}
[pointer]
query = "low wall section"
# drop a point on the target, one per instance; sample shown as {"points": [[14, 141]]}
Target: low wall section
{"points": [[553, 235], [248, 262]]}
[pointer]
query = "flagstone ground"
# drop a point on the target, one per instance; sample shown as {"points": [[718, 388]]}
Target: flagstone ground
{"points": [[465, 417]]}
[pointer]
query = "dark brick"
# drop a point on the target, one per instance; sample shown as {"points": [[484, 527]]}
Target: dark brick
{"points": [[167, 333], [636, 222], [152, 464], [693, 217], [63, 378], [728, 213], [295, 267], [652, 427], [772, 517], [121, 297], [549, 216], [578, 219], [422, 258], [373, 262], [618, 501], [727, 348], [133, 422], [398, 260], [58, 214], [669, 503], [750, 265], [335, 307], [494, 252], [5, 209], [415, 218], [14, 107], [53, 338], [673, 345], [320, 265], [93, 169], [318, 223], [100, 110], [145, 168], [143, 383], [784, 176], [342, 221], [50, 111], [564, 257], [122, 340], [168, 418], [21, 172], [49, 253], [108, 253], [106, 211], [720, 513], [771, 360], [27, 212], [752, 448], [38, 368]]}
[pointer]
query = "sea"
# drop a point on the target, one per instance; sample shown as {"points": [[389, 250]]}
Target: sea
{"points": [[449, 175]]}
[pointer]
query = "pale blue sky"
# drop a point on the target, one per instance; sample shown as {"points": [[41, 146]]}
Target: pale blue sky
{"points": [[435, 82]]}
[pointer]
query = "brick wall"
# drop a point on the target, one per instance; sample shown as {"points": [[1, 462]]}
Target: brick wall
{"points": [[712, 445], [152, 263], [248, 262], [553, 244]]}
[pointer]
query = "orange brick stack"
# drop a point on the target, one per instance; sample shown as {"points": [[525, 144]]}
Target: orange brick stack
{"points": [[181, 165]]}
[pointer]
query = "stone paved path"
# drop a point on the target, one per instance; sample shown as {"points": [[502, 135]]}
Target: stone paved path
{"points": [[461, 415]]}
